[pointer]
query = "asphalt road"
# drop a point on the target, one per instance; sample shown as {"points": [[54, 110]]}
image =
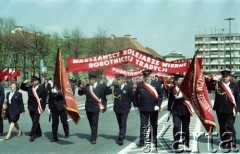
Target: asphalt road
{"points": [[78, 142]]}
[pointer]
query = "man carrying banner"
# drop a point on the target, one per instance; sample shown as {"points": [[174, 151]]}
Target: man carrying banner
{"points": [[57, 108], [226, 106], [123, 96], [95, 102], [148, 99], [181, 110], [36, 104]]}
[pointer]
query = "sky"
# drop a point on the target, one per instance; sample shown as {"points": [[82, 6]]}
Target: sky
{"points": [[163, 25]]}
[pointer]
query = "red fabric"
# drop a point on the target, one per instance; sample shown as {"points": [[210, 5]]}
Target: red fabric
{"points": [[131, 56], [16, 73], [194, 89], [113, 71], [229, 96], [62, 83], [150, 90]]}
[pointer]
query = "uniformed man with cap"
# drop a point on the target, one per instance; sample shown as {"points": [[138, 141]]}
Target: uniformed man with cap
{"points": [[36, 104], [148, 99], [95, 102], [58, 110], [180, 109], [226, 106], [123, 96]]}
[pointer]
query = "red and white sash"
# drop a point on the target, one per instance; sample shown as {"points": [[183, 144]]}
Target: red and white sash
{"points": [[150, 89], [182, 100], [101, 106], [230, 96], [40, 110]]}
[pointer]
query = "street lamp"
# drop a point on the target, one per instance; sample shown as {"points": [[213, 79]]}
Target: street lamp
{"points": [[229, 20]]}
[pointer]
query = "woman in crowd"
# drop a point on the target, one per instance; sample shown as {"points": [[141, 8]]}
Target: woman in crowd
{"points": [[14, 108]]}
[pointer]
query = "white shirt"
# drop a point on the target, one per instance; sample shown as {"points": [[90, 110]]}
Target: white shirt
{"points": [[10, 96]]}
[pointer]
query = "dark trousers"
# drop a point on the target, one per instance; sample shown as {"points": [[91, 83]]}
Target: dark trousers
{"points": [[122, 124], [93, 121], [144, 117], [55, 122], [178, 123], [36, 128], [1, 121], [226, 128]]}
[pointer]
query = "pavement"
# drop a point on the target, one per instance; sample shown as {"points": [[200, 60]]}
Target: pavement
{"points": [[78, 142]]}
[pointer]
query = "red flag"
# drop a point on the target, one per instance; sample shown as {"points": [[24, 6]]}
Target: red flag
{"points": [[194, 89], [62, 83], [16, 73]]}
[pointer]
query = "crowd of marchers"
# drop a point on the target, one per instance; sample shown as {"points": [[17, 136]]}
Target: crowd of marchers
{"points": [[146, 95]]}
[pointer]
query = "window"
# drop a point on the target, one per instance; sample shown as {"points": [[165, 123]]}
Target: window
{"points": [[237, 37], [214, 67], [214, 39], [214, 45], [198, 39], [206, 39], [214, 53]]}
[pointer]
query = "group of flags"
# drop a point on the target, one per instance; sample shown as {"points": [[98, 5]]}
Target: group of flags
{"points": [[8, 74]]}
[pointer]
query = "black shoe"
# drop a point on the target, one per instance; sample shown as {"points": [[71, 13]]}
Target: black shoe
{"points": [[29, 134], [140, 144], [93, 142], [120, 142], [32, 138], [54, 140], [66, 136]]}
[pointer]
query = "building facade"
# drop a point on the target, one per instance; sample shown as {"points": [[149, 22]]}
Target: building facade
{"points": [[215, 49], [174, 56]]}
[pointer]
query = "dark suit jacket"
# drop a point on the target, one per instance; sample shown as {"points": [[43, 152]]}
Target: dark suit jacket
{"points": [[222, 103], [144, 99], [175, 105], [32, 102], [2, 96], [122, 98], [16, 106], [55, 101], [91, 104]]}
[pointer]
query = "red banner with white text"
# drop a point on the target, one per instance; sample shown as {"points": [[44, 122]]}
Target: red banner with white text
{"points": [[114, 70], [131, 56], [194, 89]]}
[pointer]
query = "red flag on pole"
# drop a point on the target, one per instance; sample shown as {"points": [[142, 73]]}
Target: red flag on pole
{"points": [[16, 73], [194, 89], [62, 83]]}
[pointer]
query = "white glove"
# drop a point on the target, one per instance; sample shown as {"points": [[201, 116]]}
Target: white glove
{"points": [[156, 108], [54, 90], [49, 112], [136, 109], [180, 95], [109, 80], [217, 78]]}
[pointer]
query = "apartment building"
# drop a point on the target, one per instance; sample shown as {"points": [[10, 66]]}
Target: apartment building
{"points": [[215, 49]]}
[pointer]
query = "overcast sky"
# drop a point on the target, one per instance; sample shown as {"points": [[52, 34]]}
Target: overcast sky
{"points": [[163, 25]]}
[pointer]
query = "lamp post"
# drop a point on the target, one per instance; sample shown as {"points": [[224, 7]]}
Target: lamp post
{"points": [[229, 21]]}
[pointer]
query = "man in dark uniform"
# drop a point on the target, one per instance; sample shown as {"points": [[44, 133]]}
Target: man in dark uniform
{"points": [[36, 104], [226, 106], [148, 99], [2, 96], [57, 109], [123, 96], [95, 102], [180, 109]]}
